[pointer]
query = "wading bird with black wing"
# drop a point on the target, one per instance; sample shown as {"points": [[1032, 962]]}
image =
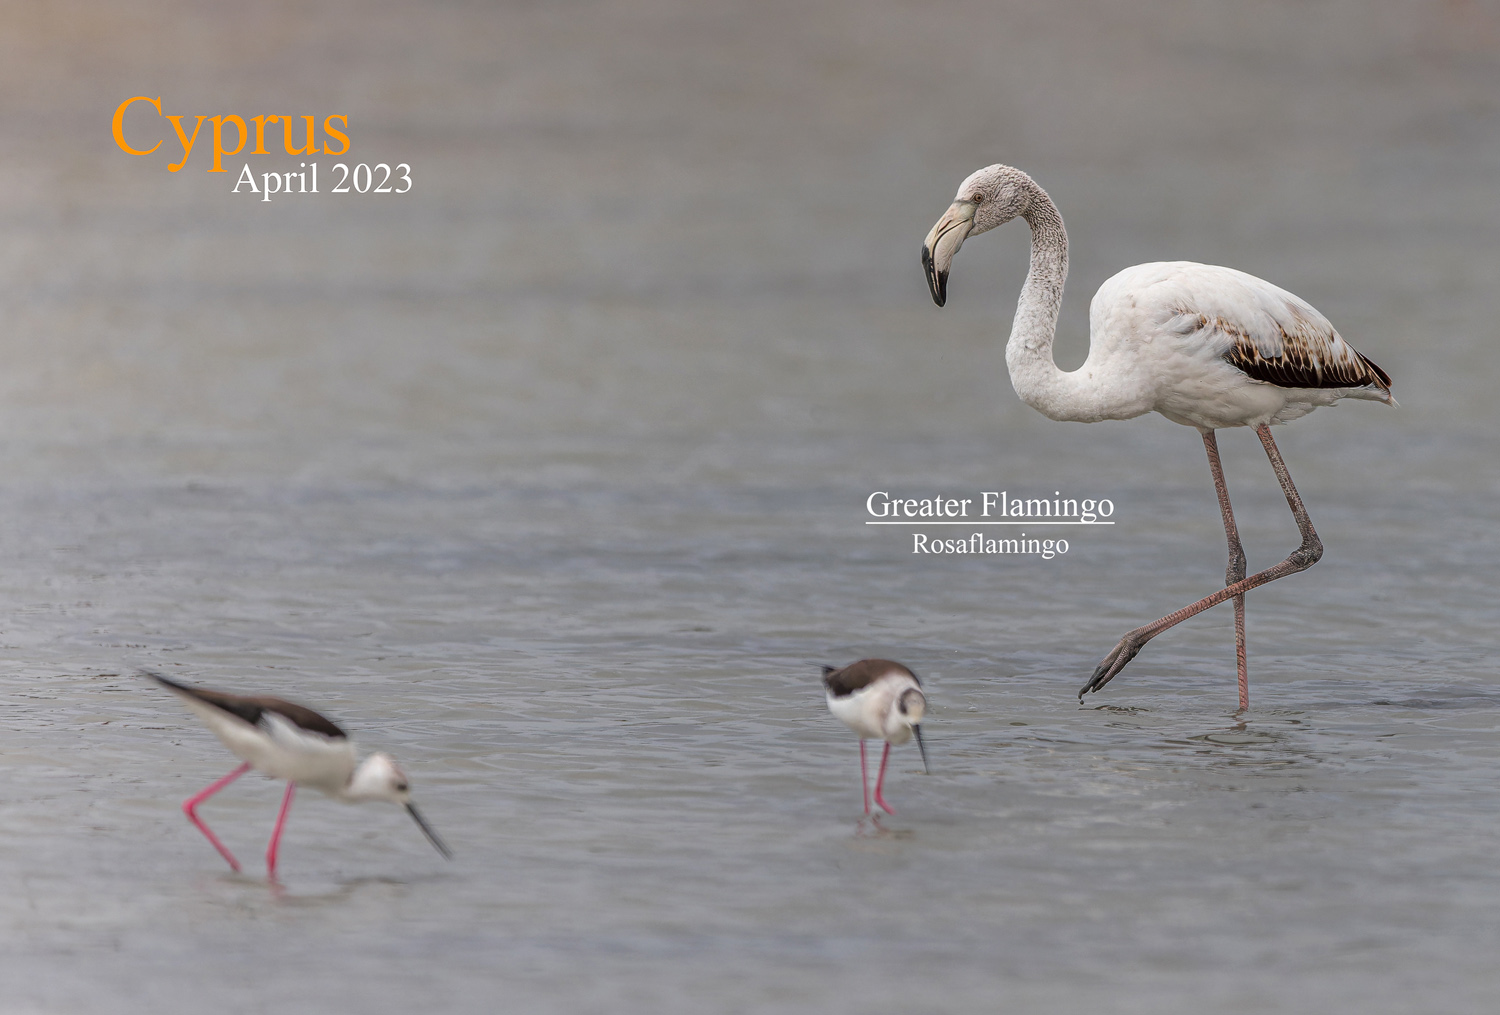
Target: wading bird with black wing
{"points": [[289, 741], [878, 700]]}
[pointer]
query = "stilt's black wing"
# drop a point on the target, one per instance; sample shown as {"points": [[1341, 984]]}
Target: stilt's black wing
{"points": [[857, 675], [252, 709]]}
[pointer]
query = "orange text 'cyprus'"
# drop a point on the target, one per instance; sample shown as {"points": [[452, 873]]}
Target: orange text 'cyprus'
{"points": [[296, 138]]}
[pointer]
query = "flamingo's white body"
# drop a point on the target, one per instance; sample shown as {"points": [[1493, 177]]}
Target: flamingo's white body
{"points": [[1205, 346]]}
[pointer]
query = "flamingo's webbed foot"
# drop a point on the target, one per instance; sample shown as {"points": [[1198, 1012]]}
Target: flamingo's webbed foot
{"points": [[1113, 663]]}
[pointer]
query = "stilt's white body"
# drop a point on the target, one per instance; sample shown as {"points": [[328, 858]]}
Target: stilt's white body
{"points": [[281, 749], [871, 711]]}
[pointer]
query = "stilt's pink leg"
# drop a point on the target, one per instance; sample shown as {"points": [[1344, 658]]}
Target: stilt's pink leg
{"points": [[864, 781], [880, 779], [286, 805], [190, 808]]}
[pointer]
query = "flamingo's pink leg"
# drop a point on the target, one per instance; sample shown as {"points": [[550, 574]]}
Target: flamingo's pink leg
{"points": [[190, 808], [286, 805], [1236, 569], [1300, 559]]}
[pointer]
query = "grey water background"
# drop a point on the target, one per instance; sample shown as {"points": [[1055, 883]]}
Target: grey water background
{"points": [[549, 477]]}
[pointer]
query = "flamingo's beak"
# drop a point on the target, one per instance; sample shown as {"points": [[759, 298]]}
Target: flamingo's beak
{"points": [[942, 243]]}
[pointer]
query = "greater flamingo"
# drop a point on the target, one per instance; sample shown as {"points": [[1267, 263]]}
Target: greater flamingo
{"points": [[1205, 346]]}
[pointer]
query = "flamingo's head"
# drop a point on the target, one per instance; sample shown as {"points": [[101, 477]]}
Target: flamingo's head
{"points": [[989, 198]]}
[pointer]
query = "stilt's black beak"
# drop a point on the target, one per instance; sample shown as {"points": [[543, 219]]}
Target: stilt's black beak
{"points": [[921, 747], [427, 830]]}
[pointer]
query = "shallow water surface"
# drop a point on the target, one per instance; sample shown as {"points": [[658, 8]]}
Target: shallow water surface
{"points": [[551, 482]]}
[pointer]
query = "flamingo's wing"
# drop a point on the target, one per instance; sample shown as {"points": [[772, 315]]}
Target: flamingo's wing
{"points": [[1267, 332]]}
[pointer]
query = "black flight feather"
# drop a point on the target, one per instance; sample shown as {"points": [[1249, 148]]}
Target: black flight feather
{"points": [[851, 678], [253, 709]]}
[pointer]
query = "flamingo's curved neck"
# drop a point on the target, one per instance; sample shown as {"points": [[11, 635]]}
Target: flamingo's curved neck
{"points": [[1056, 393]]}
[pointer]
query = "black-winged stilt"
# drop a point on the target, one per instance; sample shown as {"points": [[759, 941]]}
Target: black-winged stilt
{"points": [[289, 741], [879, 700]]}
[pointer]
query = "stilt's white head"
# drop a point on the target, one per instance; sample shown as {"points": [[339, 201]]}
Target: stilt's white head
{"points": [[904, 720], [379, 778], [905, 715]]}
